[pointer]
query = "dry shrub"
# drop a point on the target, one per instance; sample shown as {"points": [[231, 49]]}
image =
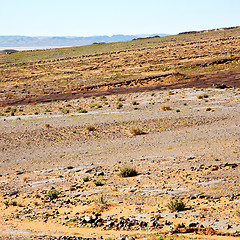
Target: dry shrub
{"points": [[128, 172], [90, 128], [136, 131], [176, 205], [165, 108]]}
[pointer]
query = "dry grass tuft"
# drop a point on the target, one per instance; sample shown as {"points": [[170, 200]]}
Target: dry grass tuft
{"points": [[128, 172], [176, 205], [90, 128], [136, 131]]}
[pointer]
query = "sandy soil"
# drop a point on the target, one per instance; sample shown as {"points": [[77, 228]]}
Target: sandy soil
{"points": [[189, 152]]}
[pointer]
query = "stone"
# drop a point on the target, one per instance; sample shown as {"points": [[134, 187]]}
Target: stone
{"points": [[99, 174], [20, 172], [110, 223], [88, 219], [129, 238], [192, 224]]}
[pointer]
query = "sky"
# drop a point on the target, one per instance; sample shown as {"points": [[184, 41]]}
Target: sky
{"points": [[110, 17]]}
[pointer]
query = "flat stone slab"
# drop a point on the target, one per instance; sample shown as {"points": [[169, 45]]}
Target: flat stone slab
{"points": [[211, 182], [48, 181], [226, 225], [153, 191], [84, 169]]}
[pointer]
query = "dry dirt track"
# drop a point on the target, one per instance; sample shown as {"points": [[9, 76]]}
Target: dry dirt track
{"points": [[230, 79]]}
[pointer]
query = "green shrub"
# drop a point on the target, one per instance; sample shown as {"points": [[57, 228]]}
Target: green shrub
{"points": [[72, 220], [83, 111], [93, 105], [8, 109], [128, 172], [13, 203], [101, 200], [52, 194], [119, 105], [135, 103], [13, 110], [104, 98], [165, 108], [202, 96], [98, 183], [176, 205], [86, 179], [120, 99], [65, 111]]}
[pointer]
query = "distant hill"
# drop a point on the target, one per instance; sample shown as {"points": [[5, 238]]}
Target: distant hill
{"points": [[8, 51], [24, 41]]}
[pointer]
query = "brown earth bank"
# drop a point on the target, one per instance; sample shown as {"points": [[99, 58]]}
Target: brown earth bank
{"points": [[220, 80]]}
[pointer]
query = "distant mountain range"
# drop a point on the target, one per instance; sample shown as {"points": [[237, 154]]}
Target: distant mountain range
{"points": [[24, 41]]}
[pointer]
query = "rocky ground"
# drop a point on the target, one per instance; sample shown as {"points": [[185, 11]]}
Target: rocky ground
{"points": [[60, 165]]}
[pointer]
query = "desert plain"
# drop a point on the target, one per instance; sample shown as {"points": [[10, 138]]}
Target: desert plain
{"points": [[72, 120]]}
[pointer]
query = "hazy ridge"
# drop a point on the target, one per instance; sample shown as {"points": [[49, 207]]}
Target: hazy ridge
{"points": [[25, 41]]}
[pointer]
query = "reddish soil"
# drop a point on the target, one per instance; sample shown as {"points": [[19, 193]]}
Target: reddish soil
{"points": [[227, 79]]}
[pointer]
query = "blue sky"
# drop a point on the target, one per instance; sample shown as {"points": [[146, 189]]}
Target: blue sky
{"points": [[108, 17]]}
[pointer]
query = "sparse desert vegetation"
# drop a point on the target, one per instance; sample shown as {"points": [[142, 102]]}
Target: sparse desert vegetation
{"points": [[166, 108], [52, 194], [98, 182], [90, 128], [128, 172], [136, 131], [176, 205], [68, 173]]}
